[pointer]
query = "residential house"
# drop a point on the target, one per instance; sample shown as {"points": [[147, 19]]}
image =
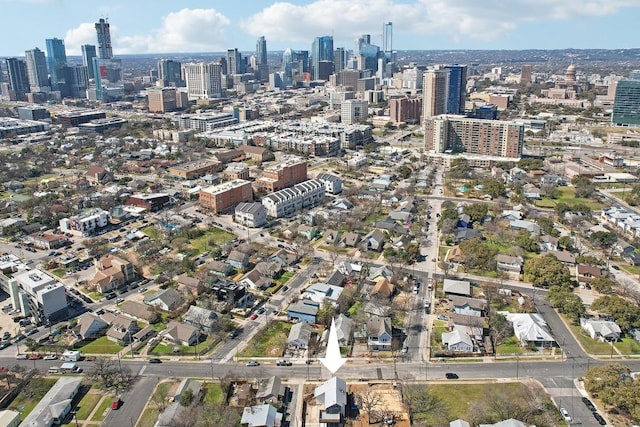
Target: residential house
{"points": [[332, 398], [331, 236], [457, 340], [459, 423], [250, 214], [321, 292], [604, 330], [97, 175], [47, 240], [456, 287], [139, 311], [531, 330], [509, 264], [463, 234], [343, 329], [181, 334], [633, 259], [586, 273], [90, 326], [238, 260], [336, 278], [383, 288], [303, 311], [190, 285], [472, 325], [112, 272], [284, 257], [256, 280], [379, 333], [270, 390], [521, 224], [309, 232], [144, 334], [166, 300], [261, 416], [464, 221], [200, 318], [55, 405], [299, 336], [350, 239], [511, 214], [511, 422], [565, 257], [218, 268], [121, 328], [380, 271], [455, 255], [469, 306], [548, 243]]}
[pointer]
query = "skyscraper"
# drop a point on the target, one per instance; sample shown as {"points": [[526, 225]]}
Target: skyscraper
{"points": [[434, 89], [626, 106], [387, 38], [18, 77], [234, 62], [88, 53], [57, 60], [321, 50], [170, 72], [108, 79], [457, 91], [526, 74], [294, 64], [37, 70], [203, 80], [79, 81], [339, 59], [261, 51], [104, 39]]}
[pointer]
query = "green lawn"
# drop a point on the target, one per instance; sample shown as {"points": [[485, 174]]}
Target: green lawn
{"points": [[150, 414], [100, 412], [102, 345], [442, 252], [214, 393], [591, 346], [355, 308], [59, 272], [285, 277], [152, 232], [268, 342], [510, 346], [628, 346], [167, 350], [568, 196], [631, 269], [216, 235], [29, 397], [86, 405]]}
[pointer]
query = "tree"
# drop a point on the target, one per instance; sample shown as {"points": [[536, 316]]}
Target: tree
{"points": [[422, 405], [477, 211], [186, 397], [614, 385], [625, 313], [603, 285], [109, 374], [527, 242], [494, 188], [160, 397], [326, 312], [603, 240], [500, 327], [546, 271], [565, 242], [585, 189], [478, 255], [368, 400]]}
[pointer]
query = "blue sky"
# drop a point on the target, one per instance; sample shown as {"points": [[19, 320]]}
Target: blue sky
{"points": [[157, 26]]}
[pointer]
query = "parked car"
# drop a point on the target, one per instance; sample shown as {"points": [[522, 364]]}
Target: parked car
{"points": [[253, 363], [283, 363], [4, 345], [451, 376], [50, 357], [566, 415], [22, 356], [155, 360], [254, 316], [117, 403], [589, 404], [599, 419]]}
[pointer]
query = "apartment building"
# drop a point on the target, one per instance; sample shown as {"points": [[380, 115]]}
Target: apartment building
{"points": [[87, 223], [251, 214], [283, 175], [224, 197], [286, 202]]}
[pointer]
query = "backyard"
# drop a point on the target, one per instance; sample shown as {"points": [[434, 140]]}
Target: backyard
{"points": [[161, 349], [102, 345], [269, 342], [30, 395]]}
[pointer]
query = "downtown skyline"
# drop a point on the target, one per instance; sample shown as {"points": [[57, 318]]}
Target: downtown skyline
{"points": [[214, 26]]}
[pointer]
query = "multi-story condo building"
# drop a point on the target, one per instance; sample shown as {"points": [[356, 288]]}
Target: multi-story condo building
{"points": [[206, 122], [456, 92], [88, 222], [18, 78], [162, 100], [224, 197], [353, 111], [88, 53], [286, 202], [104, 39], [250, 214], [170, 72], [626, 106], [332, 183], [283, 175], [405, 110], [37, 70], [57, 60], [322, 51], [435, 92], [447, 136], [203, 80]]}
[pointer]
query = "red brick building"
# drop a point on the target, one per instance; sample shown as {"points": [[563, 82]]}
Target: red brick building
{"points": [[283, 175], [224, 197]]}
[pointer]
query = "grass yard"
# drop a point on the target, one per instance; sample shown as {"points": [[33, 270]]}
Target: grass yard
{"points": [[152, 232], [590, 346], [268, 342], [510, 346], [214, 393], [442, 252], [631, 269], [100, 412], [285, 277], [150, 414], [355, 308], [87, 404], [628, 346], [216, 235], [102, 345], [167, 350], [59, 272], [29, 397]]}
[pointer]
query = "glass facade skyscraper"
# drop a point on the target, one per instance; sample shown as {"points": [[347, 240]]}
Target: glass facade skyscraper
{"points": [[321, 50], [18, 77], [57, 60], [170, 72], [37, 70], [261, 51], [626, 105], [88, 53], [456, 94], [104, 39], [387, 37]]}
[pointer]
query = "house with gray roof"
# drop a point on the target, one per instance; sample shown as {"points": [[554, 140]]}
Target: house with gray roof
{"points": [[603, 330], [166, 300], [299, 336], [521, 224], [269, 390], [379, 333], [250, 214], [139, 311], [121, 328], [90, 326], [200, 318], [55, 405], [343, 329], [374, 241], [336, 278], [456, 287], [531, 329], [261, 416], [350, 239], [238, 260], [469, 306], [332, 184], [180, 334], [332, 398], [457, 340]]}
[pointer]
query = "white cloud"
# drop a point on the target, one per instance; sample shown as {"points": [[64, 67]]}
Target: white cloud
{"points": [[187, 30], [456, 19]]}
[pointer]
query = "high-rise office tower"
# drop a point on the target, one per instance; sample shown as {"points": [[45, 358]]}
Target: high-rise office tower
{"points": [[435, 91], [79, 81], [57, 60], [261, 51], [104, 39], [294, 64], [457, 91], [626, 106], [234, 62], [170, 72], [387, 38], [108, 79], [321, 50], [203, 80], [18, 77], [88, 53], [37, 70], [339, 59], [526, 72]]}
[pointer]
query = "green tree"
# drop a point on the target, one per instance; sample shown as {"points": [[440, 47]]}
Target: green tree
{"points": [[528, 243], [501, 327], [478, 255], [603, 285], [477, 211], [186, 397], [565, 242], [546, 271], [625, 313], [585, 189], [493, 187], [603, 240], [614, 385]]}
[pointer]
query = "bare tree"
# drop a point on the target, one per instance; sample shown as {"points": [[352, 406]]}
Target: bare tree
{"points": [[369, 401], [160, 398]]}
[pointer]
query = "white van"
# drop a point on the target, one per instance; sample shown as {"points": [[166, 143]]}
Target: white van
{"points": [[54, 370]]}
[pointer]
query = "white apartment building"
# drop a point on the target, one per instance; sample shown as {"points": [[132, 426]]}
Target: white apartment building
{"points": [[332, 184], [87, 222], [251, 214], [286, 202], [353, 111], [204, 80]]}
